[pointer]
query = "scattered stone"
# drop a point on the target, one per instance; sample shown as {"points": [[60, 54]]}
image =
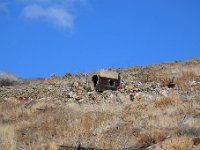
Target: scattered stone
{"points": [[163, 93], [132, 97], [129, 88], [76, 84], [92, 95], [70, 94], [138, 96], [24, 132], [191, 121], [196, 141], [79, 92], [97, 131], [78, 98]]}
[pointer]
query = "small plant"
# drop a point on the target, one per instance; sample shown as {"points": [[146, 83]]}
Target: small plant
{"points": [[68, 74]]}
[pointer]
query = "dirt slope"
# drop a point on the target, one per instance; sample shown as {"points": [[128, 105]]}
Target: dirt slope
{"points": [[146, 112]]}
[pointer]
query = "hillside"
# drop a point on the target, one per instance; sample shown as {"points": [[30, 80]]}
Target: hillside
{"points": [[156, 107]]}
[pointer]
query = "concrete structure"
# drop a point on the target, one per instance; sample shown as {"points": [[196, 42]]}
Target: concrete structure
{"points": [[105, 80]]}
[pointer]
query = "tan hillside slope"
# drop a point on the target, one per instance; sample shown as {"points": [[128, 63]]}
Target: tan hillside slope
{"points": [[156, 107]]}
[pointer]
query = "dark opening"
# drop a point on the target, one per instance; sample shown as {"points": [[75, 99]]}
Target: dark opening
{"points": [[112, 83], [95, 80]]}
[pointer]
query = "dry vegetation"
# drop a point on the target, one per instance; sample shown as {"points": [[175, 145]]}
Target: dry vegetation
{"points": [[42, 114], [167, 101]]}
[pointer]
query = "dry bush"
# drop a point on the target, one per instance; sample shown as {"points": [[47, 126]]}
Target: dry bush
{"points": [[170, 100], [67, 75], [186, 76], [154, 74], [177, 143], [59, 128], [153, 136]]}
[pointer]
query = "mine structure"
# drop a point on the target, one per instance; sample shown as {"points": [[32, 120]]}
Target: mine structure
{"points": [[106, 80]]}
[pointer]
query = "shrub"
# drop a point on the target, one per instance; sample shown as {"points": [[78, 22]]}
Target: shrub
{"points": [[166, 101], [153, 136], [68, 74], [177, 143], [183, 80]]}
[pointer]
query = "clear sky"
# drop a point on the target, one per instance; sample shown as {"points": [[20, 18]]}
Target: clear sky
{"points": [[41, 37]]}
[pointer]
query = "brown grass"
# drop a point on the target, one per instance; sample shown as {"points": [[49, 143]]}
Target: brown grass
{"points": [[38, 121], [170, 100], [150, 137], [177, 143], [183, 80], [7, 137]]}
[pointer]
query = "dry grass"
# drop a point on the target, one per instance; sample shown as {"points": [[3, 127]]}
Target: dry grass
{"points": [[164, 73], [176, 143], [34, 120], [7, 137], [48, 129], [170, 100], [152, 136], [183, 80]]}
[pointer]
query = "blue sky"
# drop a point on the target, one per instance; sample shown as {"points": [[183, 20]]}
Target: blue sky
{"points": [[41, 37]]}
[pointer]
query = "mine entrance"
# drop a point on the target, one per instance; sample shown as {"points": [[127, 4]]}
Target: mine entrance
{"points": [[95, 80]]}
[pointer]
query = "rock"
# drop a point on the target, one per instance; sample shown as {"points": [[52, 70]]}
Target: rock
{"points": [[68, 88], [191, 121], [193, 83], [78, 98], [138, 96], [92, 95], [79, 92], [131, 88], [106, 94], [70, 94], [196, 141], [132, 97], [76, 84], [97, 131], [164, 93], [24, 132]]}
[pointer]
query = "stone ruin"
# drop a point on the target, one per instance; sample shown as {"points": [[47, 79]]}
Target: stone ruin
{"points": [[105, 80]]}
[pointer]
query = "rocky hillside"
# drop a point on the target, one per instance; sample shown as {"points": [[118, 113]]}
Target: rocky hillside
{"points": [[7, 79], [156, 107]]}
